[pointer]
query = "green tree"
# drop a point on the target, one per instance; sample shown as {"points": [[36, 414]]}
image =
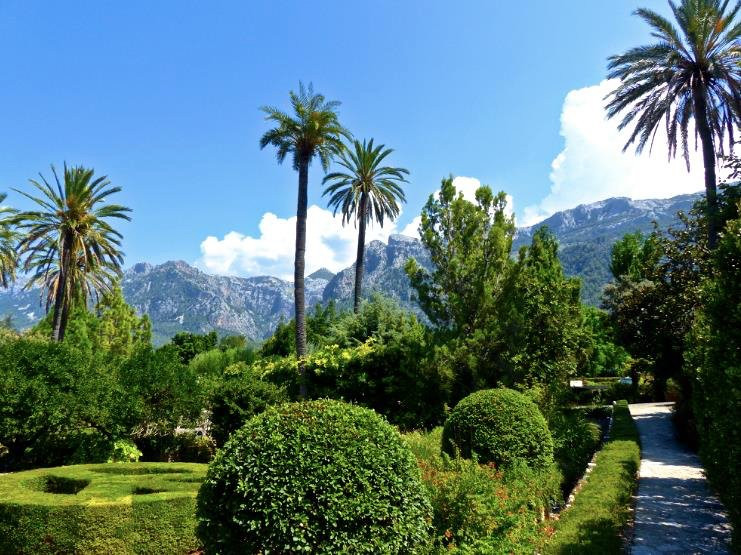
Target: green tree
{"points": [[690, 73], [313, 130], [70, 247], [365, 191], [469, 245], [188, 345], [8, 257]]}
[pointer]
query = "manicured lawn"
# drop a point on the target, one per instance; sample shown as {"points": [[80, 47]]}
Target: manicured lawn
{"points": [[100, 508], [594, 523]]}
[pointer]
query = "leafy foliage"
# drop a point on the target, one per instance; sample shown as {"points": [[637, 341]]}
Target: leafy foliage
{"points": [[319, 476], [70, 248], [714, 365], [500, 426], [189, 345]]}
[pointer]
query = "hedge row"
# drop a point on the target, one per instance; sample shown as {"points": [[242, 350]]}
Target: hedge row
{"points": [[595, 521], [104, 508]]}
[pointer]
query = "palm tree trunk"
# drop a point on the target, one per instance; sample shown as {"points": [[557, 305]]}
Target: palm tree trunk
{"points": [[60, 297], [360, 258], [708, 157], [298, 272]]}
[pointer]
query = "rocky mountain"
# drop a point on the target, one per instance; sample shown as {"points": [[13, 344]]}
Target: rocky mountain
{"points": [[586, 234], [179, 297]]}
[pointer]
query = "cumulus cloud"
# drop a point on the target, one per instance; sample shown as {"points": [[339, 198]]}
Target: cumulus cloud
{"points": [[592, 165], [329, 244]]}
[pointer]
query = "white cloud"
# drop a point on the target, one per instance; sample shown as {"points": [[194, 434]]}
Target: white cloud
{"points": [[592, 165], [329, 244]]}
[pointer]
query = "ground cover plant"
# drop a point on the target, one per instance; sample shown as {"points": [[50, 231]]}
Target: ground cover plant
{"points": [[601, 508], [478, 508], [316, 476], [105, 508]]}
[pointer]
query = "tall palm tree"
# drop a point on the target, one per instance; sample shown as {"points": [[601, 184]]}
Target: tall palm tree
{"points": [[691, 73], [312, 130], [69, 245], [366, 191], [8, 258]]}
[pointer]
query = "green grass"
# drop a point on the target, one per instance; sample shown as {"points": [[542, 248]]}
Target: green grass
{"points": [[100, 508], [595, 521]]}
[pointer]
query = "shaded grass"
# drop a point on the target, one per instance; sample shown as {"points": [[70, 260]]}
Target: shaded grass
{"points": [[103, 508], [601, 509]]}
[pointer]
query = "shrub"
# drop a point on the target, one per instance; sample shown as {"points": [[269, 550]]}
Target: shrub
{"points": [[106, 508], [593, 524], [320, 476], [124, 450], [575, 439], [501, 426], [238, 396], [192, 447], [479, 509]]}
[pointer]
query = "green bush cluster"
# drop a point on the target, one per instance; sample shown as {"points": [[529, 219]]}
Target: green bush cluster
{"points": [[137, 508], [714, 366], [478, 508], [501, 426], [601, 508], [318, 476]]}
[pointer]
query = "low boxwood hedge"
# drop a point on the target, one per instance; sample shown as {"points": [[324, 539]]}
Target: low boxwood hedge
{"points": [[595, 521], [100, 508]]}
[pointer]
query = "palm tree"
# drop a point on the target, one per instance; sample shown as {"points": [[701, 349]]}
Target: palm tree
{"points": [[312, 130], [691, 73], [8, 258], [69, 246], [366, 191]]}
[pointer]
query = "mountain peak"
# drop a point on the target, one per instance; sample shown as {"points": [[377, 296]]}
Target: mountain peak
{"points": [[321, 273]]}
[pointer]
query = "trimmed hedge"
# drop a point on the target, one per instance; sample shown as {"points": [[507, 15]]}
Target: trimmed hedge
{"points": [[595, 521], [317, 477], [500, 426], [100, 508]]}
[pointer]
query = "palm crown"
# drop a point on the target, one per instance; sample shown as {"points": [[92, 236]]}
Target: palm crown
{"points": [[366, 177], [660, 82], [70, 247], [313, 129]]}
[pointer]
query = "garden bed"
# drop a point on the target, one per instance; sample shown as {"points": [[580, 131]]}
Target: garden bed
{"points": [[601, 508], [100, 508]]}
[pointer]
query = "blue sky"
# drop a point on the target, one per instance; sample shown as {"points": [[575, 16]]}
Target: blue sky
{"points": [[163, 97]]}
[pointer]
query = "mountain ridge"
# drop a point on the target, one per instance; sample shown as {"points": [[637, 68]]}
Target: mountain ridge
{"points": [[181, 297]]}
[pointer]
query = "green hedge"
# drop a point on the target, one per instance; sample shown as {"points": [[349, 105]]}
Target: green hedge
{"points": [[593, 524], [100, 508]]}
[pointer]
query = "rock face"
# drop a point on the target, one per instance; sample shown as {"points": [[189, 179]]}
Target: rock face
{"points": [[586, 234], [179, 297], [384, 272]]}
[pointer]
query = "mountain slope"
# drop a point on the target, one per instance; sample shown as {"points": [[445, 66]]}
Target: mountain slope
{"points": [[179, 297]]}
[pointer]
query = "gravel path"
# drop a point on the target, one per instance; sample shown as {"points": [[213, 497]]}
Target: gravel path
{"points": [[675, 510]]}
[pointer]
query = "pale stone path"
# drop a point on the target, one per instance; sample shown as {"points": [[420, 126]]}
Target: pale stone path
{"points": [[675, 509]]}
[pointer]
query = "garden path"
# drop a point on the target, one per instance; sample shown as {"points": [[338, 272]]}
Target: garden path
{"points": [[675, 509]]}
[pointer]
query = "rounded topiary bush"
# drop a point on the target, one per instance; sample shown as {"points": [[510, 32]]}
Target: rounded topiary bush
{"points": [[318, 477], [501, 426]]}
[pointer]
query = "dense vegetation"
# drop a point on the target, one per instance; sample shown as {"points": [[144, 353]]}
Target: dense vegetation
{"points": [[303, 434]]}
